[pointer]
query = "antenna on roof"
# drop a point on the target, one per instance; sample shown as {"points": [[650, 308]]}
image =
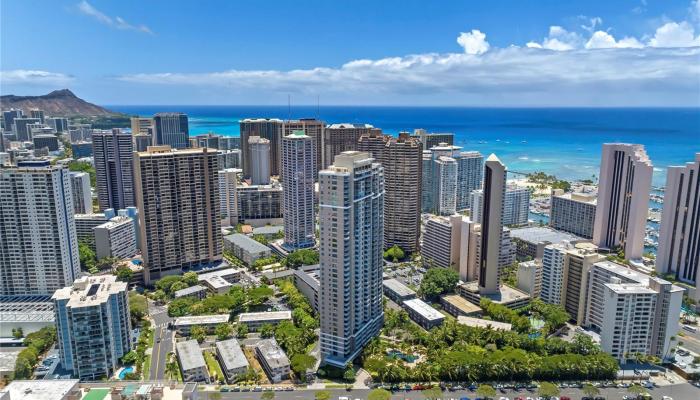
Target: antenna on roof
{"points": [[289, 107], [318, 106]]}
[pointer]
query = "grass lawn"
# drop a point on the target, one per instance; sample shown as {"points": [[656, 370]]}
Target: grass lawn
{"points": [[96, 394], [147, 367], [213, 366]]}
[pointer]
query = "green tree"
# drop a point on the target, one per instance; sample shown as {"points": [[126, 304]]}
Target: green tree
{"points": [[267, 330], [548, 390], [394, 253], [437, 281], [301, 363], [199, 333], [637, 390], [178, 286], [223, 331], [138, 307], [23, 368], [349, 373], [158, 296], [171, 367], [106, 263], [241, 330], [261, 239], [322, 395], [590, 390], [190, 278], [302, 257], [87, 257], [379, 394], [17, 333], [129, 358], [485, 391], [167, 282], [124, 273], [181, 306]]}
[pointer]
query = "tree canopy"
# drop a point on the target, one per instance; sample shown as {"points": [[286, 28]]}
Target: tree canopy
{"points": [[437, 281]]}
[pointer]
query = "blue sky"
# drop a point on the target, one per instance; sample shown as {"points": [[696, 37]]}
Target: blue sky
{"points": [[471, 53]]}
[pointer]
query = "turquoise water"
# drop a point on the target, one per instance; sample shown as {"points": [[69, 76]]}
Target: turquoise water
{"points": [[565, 142], [126, 370]]}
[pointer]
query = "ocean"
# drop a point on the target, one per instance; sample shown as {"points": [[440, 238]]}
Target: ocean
{"points": [[565, 142]]}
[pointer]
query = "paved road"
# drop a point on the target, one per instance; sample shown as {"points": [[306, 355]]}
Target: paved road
{"points": [[163, 340], [677, 392]]}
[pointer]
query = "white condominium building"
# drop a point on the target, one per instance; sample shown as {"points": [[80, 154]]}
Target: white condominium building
{"points": [[228, 195], [633, 312], [115, 238], [623, 199], [38, 241], [259, 160], [573, 212], [516, 206], [352, 228], [679, 239], [93, 326], [80, 188], [298, 169]]}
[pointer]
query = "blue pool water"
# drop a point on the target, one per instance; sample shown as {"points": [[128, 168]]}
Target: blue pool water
{"points": [[126, 370]]}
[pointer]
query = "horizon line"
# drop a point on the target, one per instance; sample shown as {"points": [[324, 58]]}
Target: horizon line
{"points": [[408, 106]]}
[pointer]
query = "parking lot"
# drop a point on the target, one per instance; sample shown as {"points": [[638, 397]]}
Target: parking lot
{"points": [[408, 273]]}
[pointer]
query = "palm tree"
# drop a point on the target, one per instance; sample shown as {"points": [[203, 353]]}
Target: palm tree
{"points": [[637, 390], [590, 390]]}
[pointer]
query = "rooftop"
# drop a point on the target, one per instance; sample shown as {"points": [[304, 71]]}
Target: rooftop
{"points": [[26, 309], [461, 303], [268, 230], [89, 291], [54, 389], [231, 354], [483, 323], [538, 234], [424, 309], [622, 270], [399, 288], [190, 355], [629, 288], [348, 125], [246, 243], [581, 197], [116, 221], [309, 277], [190, 290], [265, 316], [201, 319], [8, 358], [506, 294], [273, 353]]}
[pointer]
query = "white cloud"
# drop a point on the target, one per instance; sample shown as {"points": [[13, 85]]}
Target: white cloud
{"points": [[559, 39], [592, 23], [33, 77], [473, 42], [116, 22], [561, 69], [516, 75], [604, 40], [673, 34]]}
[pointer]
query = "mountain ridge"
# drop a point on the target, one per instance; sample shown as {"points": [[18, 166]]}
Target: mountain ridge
{"points": [[58, 103]]}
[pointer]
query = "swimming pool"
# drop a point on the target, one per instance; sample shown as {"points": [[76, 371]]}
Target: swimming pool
{"points": [[127, 370]]}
